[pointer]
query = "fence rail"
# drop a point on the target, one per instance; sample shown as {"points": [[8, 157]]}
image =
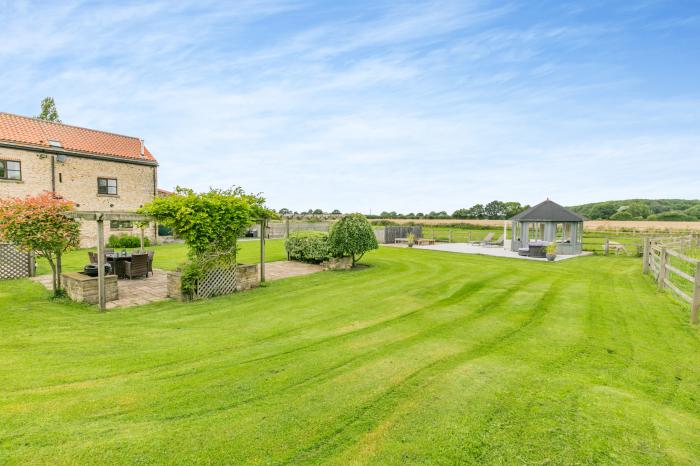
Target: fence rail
{"points": [[673, 268]]}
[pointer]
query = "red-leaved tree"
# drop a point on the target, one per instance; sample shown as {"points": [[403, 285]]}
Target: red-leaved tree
{"points": [[38, 224]]}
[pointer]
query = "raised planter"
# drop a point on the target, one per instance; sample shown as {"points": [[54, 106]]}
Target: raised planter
{"points": [[174, 280], [82, 288], [338, 263], [247, 277]]}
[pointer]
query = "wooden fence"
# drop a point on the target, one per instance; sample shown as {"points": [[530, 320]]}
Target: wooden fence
{"points": [[666, 259]]}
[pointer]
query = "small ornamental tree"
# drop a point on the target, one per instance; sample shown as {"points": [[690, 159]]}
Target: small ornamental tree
{"points": [[210, 224], [351, 235], [38, 224]]}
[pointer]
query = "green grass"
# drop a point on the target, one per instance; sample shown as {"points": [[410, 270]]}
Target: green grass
{"points": [[170, 256], [424, 357]]}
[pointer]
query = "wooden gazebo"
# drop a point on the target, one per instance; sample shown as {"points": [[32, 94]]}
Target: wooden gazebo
{"points": [[548, 222]]}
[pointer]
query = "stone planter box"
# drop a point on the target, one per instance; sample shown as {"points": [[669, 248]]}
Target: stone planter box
{"points": [[174, 283], [338, 263], [247, 277], [83, 289]]}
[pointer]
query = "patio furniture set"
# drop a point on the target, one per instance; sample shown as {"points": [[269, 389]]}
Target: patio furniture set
{"points": [[536, 249], [122, 264]]}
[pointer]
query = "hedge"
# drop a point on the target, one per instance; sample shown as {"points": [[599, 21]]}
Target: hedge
{"points": [[308, 246], [126, 241]]}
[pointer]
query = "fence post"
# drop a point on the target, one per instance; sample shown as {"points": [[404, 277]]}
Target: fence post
{"points": [[606, 247], [449, 232], [695, 308], [662, 268], [645, 264], [469, 237]]}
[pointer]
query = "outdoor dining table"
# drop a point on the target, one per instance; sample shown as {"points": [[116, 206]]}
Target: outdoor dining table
{"points": [[118, 259]]}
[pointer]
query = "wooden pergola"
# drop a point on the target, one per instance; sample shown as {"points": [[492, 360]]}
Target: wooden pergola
{"points": [[100, 217]]}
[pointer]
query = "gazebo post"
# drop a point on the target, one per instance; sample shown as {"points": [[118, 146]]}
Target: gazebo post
{"points": [[101, 298]]}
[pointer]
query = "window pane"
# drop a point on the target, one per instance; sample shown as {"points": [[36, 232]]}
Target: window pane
{"points": [[14, 174], [2, 169], [112, 190], [112, 183], [101, 182], [14, 166]]}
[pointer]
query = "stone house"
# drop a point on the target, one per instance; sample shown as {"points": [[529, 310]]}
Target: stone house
{"points": [[97, 170]]}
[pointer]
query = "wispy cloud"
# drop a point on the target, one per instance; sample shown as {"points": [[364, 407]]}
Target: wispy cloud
{"points": [[403, 106]]}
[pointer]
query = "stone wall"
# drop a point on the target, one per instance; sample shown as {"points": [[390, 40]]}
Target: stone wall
{"points": [[83, 289], [247, 277], [76, 181]]}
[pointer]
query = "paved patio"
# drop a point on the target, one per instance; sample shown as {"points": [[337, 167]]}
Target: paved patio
{"points": [[138, 292], [466, 248]]}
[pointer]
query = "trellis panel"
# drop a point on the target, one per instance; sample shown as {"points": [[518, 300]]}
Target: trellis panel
{"points": [[217, 282], [15, 263]]}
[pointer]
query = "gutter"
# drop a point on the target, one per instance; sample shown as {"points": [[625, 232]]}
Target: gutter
{"points": [[88, 155]]}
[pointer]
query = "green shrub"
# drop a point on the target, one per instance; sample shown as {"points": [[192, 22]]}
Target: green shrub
{"points": [[353, 236], [127, 241], [308, 246]]}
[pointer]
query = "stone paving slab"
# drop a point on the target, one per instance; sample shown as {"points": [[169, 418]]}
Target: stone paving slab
{"points": [[140, 291], [466, 248]]}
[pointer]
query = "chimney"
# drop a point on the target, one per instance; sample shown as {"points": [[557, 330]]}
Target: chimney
{"points": [[142, 149]]}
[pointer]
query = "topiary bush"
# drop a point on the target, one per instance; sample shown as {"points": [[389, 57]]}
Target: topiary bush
{"points": [[308, 246], [352, 236], [127, 241]]}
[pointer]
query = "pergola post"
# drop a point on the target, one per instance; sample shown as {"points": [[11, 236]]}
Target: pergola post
{"points": [[142, 237], [101, 297], [263, 224]]}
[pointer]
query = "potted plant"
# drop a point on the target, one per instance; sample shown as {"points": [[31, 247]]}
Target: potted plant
{"points": [[551, 251], [410, 239]]}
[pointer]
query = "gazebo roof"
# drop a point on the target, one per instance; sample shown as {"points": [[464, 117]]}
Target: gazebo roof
{"points": [[548, 211]]}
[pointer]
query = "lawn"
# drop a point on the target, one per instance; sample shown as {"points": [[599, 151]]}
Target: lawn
{"points": [[423, 357], [170, 256]]}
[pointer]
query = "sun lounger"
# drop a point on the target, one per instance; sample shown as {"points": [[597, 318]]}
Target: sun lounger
{"points": [[486, 239], [493, 244]]}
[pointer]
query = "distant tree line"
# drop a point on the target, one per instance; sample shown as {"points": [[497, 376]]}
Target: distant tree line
{"points": [[285, 211], [641, 209], [494, 210]]}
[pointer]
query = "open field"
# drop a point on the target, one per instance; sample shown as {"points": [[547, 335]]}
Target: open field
{"points": [[170, 256], [424, 357]]}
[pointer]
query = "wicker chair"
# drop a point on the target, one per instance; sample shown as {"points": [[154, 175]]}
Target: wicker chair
{"points": [[138, 267]]}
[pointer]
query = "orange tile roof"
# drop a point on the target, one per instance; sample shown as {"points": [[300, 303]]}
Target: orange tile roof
{"points": [[34, 132]]}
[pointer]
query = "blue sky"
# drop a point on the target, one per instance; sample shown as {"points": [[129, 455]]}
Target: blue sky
{"points": [[407, 106]]}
